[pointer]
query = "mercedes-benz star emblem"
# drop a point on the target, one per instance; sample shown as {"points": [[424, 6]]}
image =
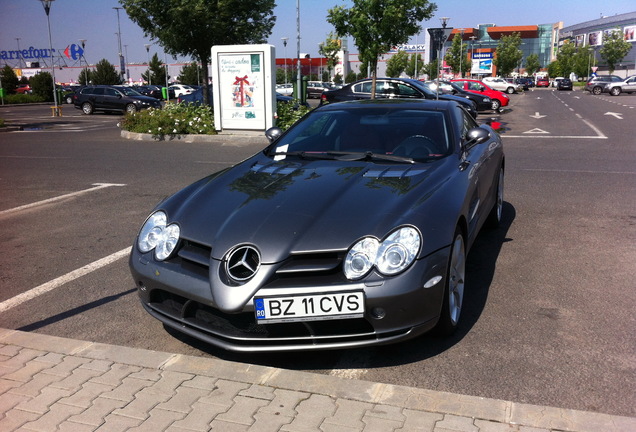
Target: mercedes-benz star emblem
{"points": [[242, 263]]}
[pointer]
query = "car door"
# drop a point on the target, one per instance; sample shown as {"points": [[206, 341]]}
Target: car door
{"points": [[630, 85]]}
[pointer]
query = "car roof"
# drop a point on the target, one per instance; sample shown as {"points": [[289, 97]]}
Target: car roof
{"points": [[425, 104]]}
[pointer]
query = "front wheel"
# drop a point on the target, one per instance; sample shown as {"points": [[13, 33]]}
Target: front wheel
{"points": [[495, 104], [615, 91], [510, 90], [454, 289], [87, 108]]}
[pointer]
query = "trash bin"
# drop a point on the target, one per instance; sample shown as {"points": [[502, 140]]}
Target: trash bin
{"points": [[164, 92]]}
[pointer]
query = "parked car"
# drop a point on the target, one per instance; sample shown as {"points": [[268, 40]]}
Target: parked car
{"points": [[483, 103], [285, 89], [392, 88], [315, 88], [350, 229], [564, 84], [543, 82], [500, 84], [181, 89], [524, 83], [628, 85], [24, 89], [112, 98], [598, 84], [68, 92], [555, 82], [196, 97], [154, 91], [499, 99]]}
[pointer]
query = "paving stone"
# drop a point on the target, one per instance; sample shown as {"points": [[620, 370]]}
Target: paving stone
{"points": [[19, 360], [349, 413], [15, 418], [7, 385], [34, 387], [377, 424], [311, 414], [115, 423], [77, 378], [9, 350], [116, 374], [284, 402], [243, 410], [56, 415], [88, 393], [158, 420], [200, 417], [223, 426], [69, 426], [224, 393], [490, 426], [266, 422], [201, 382], [168, 382], [419, 421], [43, 402], [183, 400], [67, 366], [147, 374], [127, 389], [9, 401], [26, 372], [98, 411], [142, 404], [456, 423], [98, 365], [258, 392]]}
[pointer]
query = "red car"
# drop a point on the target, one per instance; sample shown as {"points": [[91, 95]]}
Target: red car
{"points": [[543, 82], [23, 89], [499, 99]]}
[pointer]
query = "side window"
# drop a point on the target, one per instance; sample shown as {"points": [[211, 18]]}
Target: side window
{"points": [[98, 91], [408, 91], [111, 92], [365, 87]]}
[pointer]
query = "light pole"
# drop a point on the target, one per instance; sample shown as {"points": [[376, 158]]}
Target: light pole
{"points": [[83, 42], [461, 52], [148, 54], [47, 8], [19, 56], [472, 52], [285, 39], [439, 36], [122, 65], [298, 72]]}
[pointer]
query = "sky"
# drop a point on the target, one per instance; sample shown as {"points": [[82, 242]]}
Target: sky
{"points": [[23, 23]]}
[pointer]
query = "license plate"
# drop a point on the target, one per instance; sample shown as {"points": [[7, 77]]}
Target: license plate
{"points": [[309, 307]]}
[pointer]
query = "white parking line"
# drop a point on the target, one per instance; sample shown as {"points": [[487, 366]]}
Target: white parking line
{"points": [[55, 283], [97, 186]]}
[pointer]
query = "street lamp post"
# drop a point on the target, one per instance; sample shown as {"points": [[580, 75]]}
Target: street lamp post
{"points": [[461, 52], [122, 65], [19, 56], [439, 36], [148, 54], [47, 8], [83, 42], [472, 51], [285, 39]]}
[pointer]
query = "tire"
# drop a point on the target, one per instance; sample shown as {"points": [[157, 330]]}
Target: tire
{"points": [[69, 99], [615, 91], [87, 108], [495, 104], [454, 288], [510, 90], [494, 217], [131, 109], [597, 90]]}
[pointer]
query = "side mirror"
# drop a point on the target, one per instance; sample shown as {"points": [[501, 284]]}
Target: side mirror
{"points": [[476, 136], [273, 133]]}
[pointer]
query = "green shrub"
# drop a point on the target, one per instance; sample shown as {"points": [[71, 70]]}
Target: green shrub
{"points": [[24, 98], [289, 113], [171, 121]]}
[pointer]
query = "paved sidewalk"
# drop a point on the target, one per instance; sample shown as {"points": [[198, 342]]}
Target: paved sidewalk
{"points": [[49, 383]]}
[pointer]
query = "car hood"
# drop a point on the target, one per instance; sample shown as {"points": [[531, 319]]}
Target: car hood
{"points": [[301, 206]]}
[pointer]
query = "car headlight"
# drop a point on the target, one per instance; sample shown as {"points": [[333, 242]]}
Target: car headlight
{"points": [[391, 256], [156, 234]]}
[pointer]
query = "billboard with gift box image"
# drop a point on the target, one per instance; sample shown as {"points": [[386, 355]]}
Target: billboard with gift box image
{"points": [[243, 87]]}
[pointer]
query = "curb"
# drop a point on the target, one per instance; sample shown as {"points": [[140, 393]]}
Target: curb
{"points": [[493, 410], [195, 138]]}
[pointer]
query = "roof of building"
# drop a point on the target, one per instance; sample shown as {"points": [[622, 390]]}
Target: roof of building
{"points": [[602, 22]]}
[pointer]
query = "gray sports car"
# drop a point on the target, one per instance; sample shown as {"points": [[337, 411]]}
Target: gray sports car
{"points": [[350, 229]]}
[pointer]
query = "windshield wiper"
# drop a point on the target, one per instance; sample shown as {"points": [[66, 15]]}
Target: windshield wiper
{"points": [[361, 156], [306, 155]]}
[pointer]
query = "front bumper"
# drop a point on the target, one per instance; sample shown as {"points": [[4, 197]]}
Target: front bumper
{"points": [[180, 297]]}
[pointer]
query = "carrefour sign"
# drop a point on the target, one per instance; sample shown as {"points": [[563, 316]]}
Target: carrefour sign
{"points": [[72, 51]]}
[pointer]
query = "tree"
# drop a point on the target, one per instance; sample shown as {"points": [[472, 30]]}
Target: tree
{"points": [[431, 69], [192, 27], [42, 85], [191, 74], [377, 26], [84, 77], [105, 73], [615, 48], [157, 72], [9, 80], [508, 55], [565, 57], [396, 64], [329, 49], [415, 66], [582, 61], [456, 56], [532, 64], [554, 69]]}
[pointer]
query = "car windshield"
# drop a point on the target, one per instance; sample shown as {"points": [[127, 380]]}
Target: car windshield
{"points": [[399, 135], [129, 92]]}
